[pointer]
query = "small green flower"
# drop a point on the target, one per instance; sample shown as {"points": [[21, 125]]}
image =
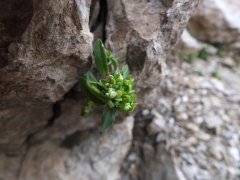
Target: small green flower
{"points": [[114, 91]]}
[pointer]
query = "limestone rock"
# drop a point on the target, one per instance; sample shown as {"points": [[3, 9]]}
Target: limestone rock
{"points": [[139, 34], [43, 57], [17, 124], [47, 54], [87, 155], [216, 21]]}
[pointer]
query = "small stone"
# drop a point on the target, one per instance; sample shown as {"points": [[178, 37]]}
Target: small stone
{"points": [[156, 114], [161, 137], [232, 172], [171, 121], [191, 141], [185, 99], [215, 152], [226, 118], [234, 152], [182, 116], [145, 112], [218, 85], [229, 62], [194, 82], [177, 102], [234, 98], [201, 147], [198, 120], [192, 127], [156, 126], [203, 136], [132, 157], [204, 92], [206, 85], [191, 171], [213, 121]]}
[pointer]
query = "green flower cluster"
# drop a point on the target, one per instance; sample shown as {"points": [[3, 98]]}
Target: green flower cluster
{"points": [[120, 92], [114, 91]]}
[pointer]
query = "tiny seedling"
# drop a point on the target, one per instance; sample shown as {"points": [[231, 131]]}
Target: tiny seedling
{"points": [[203, 54], [200, 73], [217, 75], [191, 57], [113, 90]]}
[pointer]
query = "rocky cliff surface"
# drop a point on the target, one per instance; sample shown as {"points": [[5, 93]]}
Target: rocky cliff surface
{"points": [[45, 47]]}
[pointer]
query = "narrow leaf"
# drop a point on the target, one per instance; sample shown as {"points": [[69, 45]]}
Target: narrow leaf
{"points": [[86, 109], [112, 59], [108, 117], [125, 71], [91, 96], [114, 63], [100, 57], [90, 77]]}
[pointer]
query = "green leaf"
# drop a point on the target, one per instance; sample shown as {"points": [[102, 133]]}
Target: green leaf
{"points": [[112, 60], [102, 83], [125, 71], [87, 89], [86, 109], [108, 117], [100, 58], [114, 63], [90, 77]]}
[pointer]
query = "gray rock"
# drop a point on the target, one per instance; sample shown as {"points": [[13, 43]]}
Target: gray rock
{"points": [[193, 127], [87, 155], [182, 116], [212, 121], [190, 171], [203, 136], [222, 27], [234, 152]]}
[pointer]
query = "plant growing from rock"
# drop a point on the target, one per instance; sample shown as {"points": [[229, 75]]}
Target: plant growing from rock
{"points": [[113, 90]]}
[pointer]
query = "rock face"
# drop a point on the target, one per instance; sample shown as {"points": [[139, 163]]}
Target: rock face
{"points": [[83, 155], [45, 59], [216, 21], [45, 54], [141, 33]]}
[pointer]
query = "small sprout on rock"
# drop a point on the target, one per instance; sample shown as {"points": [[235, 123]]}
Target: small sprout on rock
{"points": [[200, 73], [113, 90], [216, 75]]}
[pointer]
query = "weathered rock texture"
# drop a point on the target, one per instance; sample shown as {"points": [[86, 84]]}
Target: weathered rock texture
{"points": [[141, 33], [46, 58], [86, 156], [216, 21], [50, 48]]}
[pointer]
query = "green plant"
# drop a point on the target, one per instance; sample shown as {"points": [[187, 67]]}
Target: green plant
{"points": [[191, 57], [113, 90], [200, 73], [216, 75], [203, 54]]}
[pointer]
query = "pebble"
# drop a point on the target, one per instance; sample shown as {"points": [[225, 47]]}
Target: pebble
{"points": [[191, 141], [192, 127], [198, 119], [190, 171], [161, 137], [132, 157], [182, 116], [229, 62], [213, 121], [145, 112], [234, 152], [206, 85], [203, 136]]}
